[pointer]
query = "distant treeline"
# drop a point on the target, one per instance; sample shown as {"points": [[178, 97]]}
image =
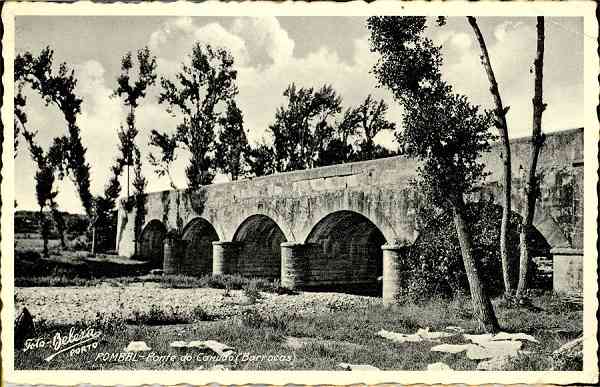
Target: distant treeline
{"points": [[27, 222]]}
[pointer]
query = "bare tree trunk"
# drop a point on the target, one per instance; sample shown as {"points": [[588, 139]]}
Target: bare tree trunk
{"points": [[482, 305], [44, 231], [127, 179], [500, 122], [537, 141], [60, 223], [94, 240]]}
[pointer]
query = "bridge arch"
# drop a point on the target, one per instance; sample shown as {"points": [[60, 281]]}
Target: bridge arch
{"points": [[151, 243], [260, 239], [198, 235], [543, 222], [345, 250]]}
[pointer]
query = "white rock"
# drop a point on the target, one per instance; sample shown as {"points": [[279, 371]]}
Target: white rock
{"points": [[479, 339], [178, 344], [515, 336], [196, 344], [433, 336], [439, 366], [357, 367], [499, 363], [491, 349], [568, 347], [219, 348], [451, 348], [137, 346], [399, 337]]}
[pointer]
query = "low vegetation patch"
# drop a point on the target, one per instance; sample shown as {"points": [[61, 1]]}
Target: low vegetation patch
{"points": [[169, 316], [435, 261], [332, 337]]}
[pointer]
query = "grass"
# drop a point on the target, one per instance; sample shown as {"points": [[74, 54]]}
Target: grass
{"points": [[341, 336]]}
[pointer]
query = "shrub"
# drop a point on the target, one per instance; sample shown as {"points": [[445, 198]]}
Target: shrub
{"points": [[435, 263], [200, 314], [251, 292], [567, 361], [81, 243], [158, 316], [256, 320]]}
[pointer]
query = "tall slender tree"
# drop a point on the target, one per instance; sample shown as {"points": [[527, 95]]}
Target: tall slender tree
{"points": [[59, 89], [532, 186], [131, 91], [44, 184], [500, 121], [20, 117], [204, 82], [233, 143], [441, 128], [66, 155]]}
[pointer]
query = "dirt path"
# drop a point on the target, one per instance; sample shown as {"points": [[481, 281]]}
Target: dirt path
{"points": [[70, 304]]}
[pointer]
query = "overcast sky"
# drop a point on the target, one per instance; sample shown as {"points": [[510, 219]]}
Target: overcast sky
{"points": [[270, 53]]}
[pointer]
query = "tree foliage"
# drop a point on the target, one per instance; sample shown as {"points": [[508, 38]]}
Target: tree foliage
{"points": [[233, 143], [59, 89], [435, 264], [371, 121], [132, 85], [44, 185], [205, 81], [304, 126], [440, 128], [20, 116], [260, 159]]}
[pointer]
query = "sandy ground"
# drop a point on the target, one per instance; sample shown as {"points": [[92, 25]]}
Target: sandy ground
{"points": [[70, 304]]}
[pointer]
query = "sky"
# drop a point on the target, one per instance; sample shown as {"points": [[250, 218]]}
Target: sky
{"points": [[269, 54]]}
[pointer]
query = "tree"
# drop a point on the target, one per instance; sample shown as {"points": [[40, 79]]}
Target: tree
{"points": [[532, 187], [260, 159], [59, 89], [207, 80], [500, 122], [233, 144], [66, 155], [44, 183], [162, 164], [20, 117], [371, 118], [302, 129], [139, 185], [338, 149], [131, 92], [440, 128]]}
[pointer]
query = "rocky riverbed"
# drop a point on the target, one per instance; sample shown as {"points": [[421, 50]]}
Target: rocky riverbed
{"points": [[66, 305]]}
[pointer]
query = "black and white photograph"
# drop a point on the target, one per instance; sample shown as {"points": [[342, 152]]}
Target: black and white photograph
{"points": [[351, 192]]}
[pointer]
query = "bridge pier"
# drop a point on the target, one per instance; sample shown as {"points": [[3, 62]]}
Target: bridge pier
{"points": [[294, 264], [225, 257], [173, 254], [394, 268]]}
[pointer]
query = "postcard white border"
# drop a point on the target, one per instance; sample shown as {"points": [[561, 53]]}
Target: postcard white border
{"points": [[212, 8]]}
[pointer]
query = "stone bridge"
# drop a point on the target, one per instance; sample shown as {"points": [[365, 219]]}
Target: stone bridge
{"points": [[341, 225]]}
